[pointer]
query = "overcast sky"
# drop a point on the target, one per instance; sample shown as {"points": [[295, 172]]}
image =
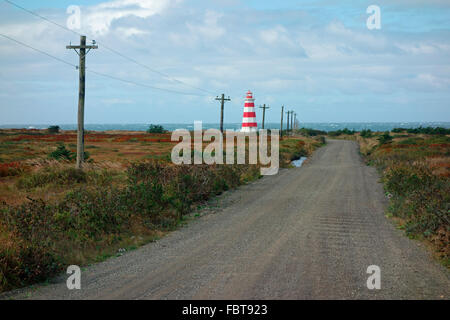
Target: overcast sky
{"points": [[315, 57]]}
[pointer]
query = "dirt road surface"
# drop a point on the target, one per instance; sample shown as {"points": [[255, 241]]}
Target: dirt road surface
{"points": [[307, 233]]}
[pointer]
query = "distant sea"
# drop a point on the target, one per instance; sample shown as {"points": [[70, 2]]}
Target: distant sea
{"points": [[324, 126]]}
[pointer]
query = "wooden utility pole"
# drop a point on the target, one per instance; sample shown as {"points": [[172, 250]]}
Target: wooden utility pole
{"points": [[292, 120], [222, 100], [81, 94], [295, 120], [287, 128], [281, 126], [264, 113]]}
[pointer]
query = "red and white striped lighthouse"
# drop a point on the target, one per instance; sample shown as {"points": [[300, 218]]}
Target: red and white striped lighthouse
{"points": [[249, 120]]}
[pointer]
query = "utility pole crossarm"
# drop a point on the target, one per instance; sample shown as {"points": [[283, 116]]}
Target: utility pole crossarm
{"points": [[82, 47]]}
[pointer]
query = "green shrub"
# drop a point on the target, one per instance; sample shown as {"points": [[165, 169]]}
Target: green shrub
{"points": [[385, 138], [65, 176], [322, 141], [347, 131], [341, 132], [25, 265], [422, 198], [427, 130], [311, 132], [153, 128], [334, 133], [62, 153], [417, 194], [53, 129], [366, 133]]}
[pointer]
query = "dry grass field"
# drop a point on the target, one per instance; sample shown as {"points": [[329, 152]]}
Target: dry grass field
{"points": [[129, 193], [24, 153]]}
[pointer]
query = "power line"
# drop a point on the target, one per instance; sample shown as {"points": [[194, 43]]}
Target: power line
{"points": [[38, 50], [108, 48], [153, 70], [39, 16], [141, 84], [98, 73]]}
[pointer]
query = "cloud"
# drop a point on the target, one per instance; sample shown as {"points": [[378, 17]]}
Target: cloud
{"points": [[427, 82], [129, 32], [310, 56], [99, 18], [210, 28], [274, 35]]}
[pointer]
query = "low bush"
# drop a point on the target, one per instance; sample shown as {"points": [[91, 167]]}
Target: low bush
{"points": [[62, 153], [47, 176], [320, 140], [311, 132], [385, 138], [154, 128], [366, 133], [341, 132], [418, 195], [157, 193], [426, 130], [11, 169], [53, 129], [421, 197], [22, 263]]}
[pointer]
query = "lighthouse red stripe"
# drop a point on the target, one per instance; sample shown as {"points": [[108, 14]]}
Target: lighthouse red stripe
{"points": [[249, 105], [249, 124], [249, 115]]}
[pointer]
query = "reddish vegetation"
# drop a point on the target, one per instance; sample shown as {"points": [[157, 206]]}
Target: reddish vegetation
{"points": [[93, 137], [53, 138], [441, 168], [440, 145], [10, 169], [433, 148], [23, 145], [141, 138]]}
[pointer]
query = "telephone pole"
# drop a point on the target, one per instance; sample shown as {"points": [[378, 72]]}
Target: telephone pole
{"points": [[81, 94], [222, 100], [281, 126], [292, 120], [287, 128], [295, 120], [264, 113]]}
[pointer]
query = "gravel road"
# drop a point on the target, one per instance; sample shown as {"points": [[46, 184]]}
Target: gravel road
{"points": [[307, 233]]}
